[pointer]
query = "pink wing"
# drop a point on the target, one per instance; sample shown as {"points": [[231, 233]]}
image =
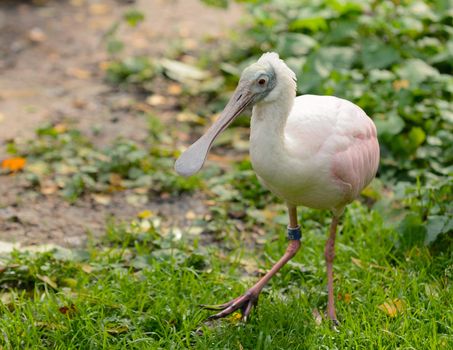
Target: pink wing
{"points": [[356, 156]]}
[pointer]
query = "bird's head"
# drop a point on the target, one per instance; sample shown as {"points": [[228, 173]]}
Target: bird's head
{"points": [[263, 81]]}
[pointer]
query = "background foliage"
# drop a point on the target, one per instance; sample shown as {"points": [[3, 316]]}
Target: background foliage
{"points": [[392, 58], [138, 286]]}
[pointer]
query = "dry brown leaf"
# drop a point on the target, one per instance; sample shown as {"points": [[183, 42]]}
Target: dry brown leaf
{"points": [[104, 65], [190, 215], [116, 180], [99, 9], [400, 84], [393, 307], [79, 73], [36, 35], [317, 316], [102, 199], [87, 268], [47, 280], [156, 100], [48, 188], [347, 298], [77, 3], [14, 164], [174, 89], [68, 310]]}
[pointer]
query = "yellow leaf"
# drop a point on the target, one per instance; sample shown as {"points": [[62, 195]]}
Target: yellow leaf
{"points": [[392, 307], [190, 215], [235, 318], [174, 89], [347, 298], [357, 262], [145, 214], [400, 84], [14, 164]]}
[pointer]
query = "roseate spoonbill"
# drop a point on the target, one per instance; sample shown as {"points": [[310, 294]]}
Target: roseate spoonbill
{"points": [[314, 151]]}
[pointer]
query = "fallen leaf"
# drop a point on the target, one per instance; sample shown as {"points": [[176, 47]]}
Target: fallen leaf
{"points": [[145, 214], [136, 199], [183, 72], [190, 215], [77, 3], [400, 84], [104, 65], [145, 225], [347, 298], [60, 128], [36, 35], [317, 316], [47, 280], [357, 262], [7, 298], [118, 329], [67, 310], [99, 9], [48, 188], [14, 164], [174, 89], [235, 318], [156, 100], [79, 73], [249, 265], [116, 180], [102, 199], [393, 307], [87, 268], [190, 117]]}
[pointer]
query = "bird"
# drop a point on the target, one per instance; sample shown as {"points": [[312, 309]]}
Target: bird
{"points": [[313, 151]]}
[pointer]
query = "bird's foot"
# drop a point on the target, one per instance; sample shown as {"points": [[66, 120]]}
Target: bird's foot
{"points": [[244, 303], [334, 324]]}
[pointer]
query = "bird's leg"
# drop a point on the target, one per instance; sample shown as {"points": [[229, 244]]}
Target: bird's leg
{"points": [[249, 299], [329, 254]]}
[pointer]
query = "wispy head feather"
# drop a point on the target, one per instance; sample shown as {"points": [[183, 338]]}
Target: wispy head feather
{"points": [[278, 64]]}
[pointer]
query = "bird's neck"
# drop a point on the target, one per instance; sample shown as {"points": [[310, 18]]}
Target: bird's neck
{"points": [[269, 121]]}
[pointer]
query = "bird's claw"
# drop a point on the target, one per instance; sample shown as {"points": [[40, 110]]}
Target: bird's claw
{"points": [[244, 303]]}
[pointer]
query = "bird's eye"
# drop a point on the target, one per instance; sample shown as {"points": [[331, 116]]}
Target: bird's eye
{"points": [[262, 81]]}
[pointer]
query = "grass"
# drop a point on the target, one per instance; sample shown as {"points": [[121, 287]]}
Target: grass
{"points": [[138, 289]]}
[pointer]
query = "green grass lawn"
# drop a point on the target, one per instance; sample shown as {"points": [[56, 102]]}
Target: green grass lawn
{"points": [[138, 289]]}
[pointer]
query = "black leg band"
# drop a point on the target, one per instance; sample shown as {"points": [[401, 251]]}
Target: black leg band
{"points": [[294, 233]]}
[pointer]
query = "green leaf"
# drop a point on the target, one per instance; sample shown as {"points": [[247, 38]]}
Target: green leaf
{"points": [[313, 24], [411, 231], [392, 124], [417, 136], [134, 17], [437, 225], [416, 71], [376, 55], [295, 44]]}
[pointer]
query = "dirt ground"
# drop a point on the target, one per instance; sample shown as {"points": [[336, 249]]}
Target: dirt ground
{"points": [[50, 54]]}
